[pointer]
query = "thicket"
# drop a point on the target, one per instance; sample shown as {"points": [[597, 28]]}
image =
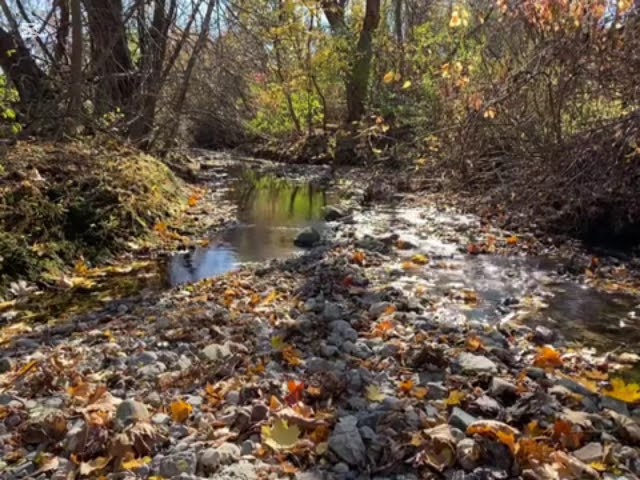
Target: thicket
{"points": [[534, 104]]}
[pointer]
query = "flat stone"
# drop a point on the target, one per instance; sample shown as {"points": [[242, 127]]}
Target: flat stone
{"points": [[501, 388], [591, 452], [461, 419], [176, 464], [213, 458], [608, 403], [378, 308], [130, 411], [242, 470], [543, 335], [216, 352], [346, 442], [470, 363]]}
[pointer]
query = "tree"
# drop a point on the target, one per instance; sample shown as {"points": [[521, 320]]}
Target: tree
{"points": [[75, 93]]}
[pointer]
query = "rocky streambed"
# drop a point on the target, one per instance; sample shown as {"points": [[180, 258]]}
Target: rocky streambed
{"points": [[411, 342]]}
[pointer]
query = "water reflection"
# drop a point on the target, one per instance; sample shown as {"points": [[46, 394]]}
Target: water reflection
{"points": [[271, 211]]}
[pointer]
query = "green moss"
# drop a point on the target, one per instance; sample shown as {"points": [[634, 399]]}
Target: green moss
{"points": [[62, 201]]}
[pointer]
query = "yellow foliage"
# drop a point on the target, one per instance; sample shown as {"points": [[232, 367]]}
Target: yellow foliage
{"points": [[455, 398], [374, 394], [547, 357], [626, 392], [180, 410], [280, 436]]}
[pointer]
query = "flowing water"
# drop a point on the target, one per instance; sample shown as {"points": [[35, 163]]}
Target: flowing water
{"points": [[272, 210]]}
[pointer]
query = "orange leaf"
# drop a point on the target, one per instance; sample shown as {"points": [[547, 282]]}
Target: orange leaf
{"points": [[382, 328], [473, 249], [81, 390], [320, 434], [314, 391], [274, 403], [296, 389], [161, 228], [193, 200], [420, 392], [406, 386], [547, 357], [180, 410], [509, 439], [291, 356], [474, 344], [564, 432], [512, 240], [359, 258]]}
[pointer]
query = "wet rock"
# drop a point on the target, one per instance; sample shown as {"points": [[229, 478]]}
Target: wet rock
{"points": [[346, 442], [468, 454], [501, 388], [470, 363], [6, 364], [591, 452], [378, 308], [176, 464], [331, 213], [216, 352], [544, 335], [213, 458], [535, 373], [461, 419], [130, 411], [307, 238]]}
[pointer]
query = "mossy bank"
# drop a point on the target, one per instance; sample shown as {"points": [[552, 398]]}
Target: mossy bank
{"points": [[60, 202]]}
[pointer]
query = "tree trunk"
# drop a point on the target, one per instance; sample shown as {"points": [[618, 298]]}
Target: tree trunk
{"points": [[24, 73], [358, 81], [75, 92], [110, 56]]}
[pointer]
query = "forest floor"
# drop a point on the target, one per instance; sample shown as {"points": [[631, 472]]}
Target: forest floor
{"points": [[373, 355]]}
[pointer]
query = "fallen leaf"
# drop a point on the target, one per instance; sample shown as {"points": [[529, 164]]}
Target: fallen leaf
{"points": [[420, 259], [359, 258], [274, 403], [193, 200], [455, 398], [296, 390], [474, 344], [280, 436], [314, 391], [512, 240], [92, 466], [547, 357], [374, 394], [277, 343], [406, 85], [180, 410], [292, 356], [626, 392], [406, 386], [420, 392], [136, 463]]}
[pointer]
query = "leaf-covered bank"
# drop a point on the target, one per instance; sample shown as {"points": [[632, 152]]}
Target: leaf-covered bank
{"points": [[66, 201]]}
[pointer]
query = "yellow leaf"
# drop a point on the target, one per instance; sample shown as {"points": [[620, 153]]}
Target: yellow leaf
{"points": [[420, 392], [420, 259], [455, 398], [509, 439], [136, 463], [389, 77], [474, 344], [374, 394], [274, 403], [180, 410], [272, 297], [193, 200], [277, 343], [161, 228], [598, 466], [490, 113], [406, 85], [628, 393], [280, 436], [397, 77]]}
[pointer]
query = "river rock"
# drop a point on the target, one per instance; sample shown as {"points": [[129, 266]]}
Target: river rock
{"points": [[468, 454], [470, 363], [238, 471], [346, 442], [5, 364], [502, 389], [332, 213], [130, 411], [216, 352], [212, 458], [307, 238], [461, 419], [177, 464]]}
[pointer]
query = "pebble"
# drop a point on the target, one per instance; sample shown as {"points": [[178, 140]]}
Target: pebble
{"points": [[216, 352], [176, 464], [378, 309], [131, 411], [212, 458], [502, 388], [6, 364], [591, 452]]}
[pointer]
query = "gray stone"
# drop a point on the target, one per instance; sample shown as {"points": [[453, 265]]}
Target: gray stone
{"points": [[341, 331], [378, 308], [211, 459], [535, 373], [176, 464], [328, 350], [346, 442], [471, 363], [242, 470], [461, 419], [307, 238], [144, 358], [591, 452], [608, 403], [332, 311], [501, 388], [247, 447], [575, 387], [152, 370], [332, 213], [437, 391], [161, 419], [487, 406], [184, 362], [216, 352], [544, 335], [130, 411], [6, 364], [154, 399]]}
